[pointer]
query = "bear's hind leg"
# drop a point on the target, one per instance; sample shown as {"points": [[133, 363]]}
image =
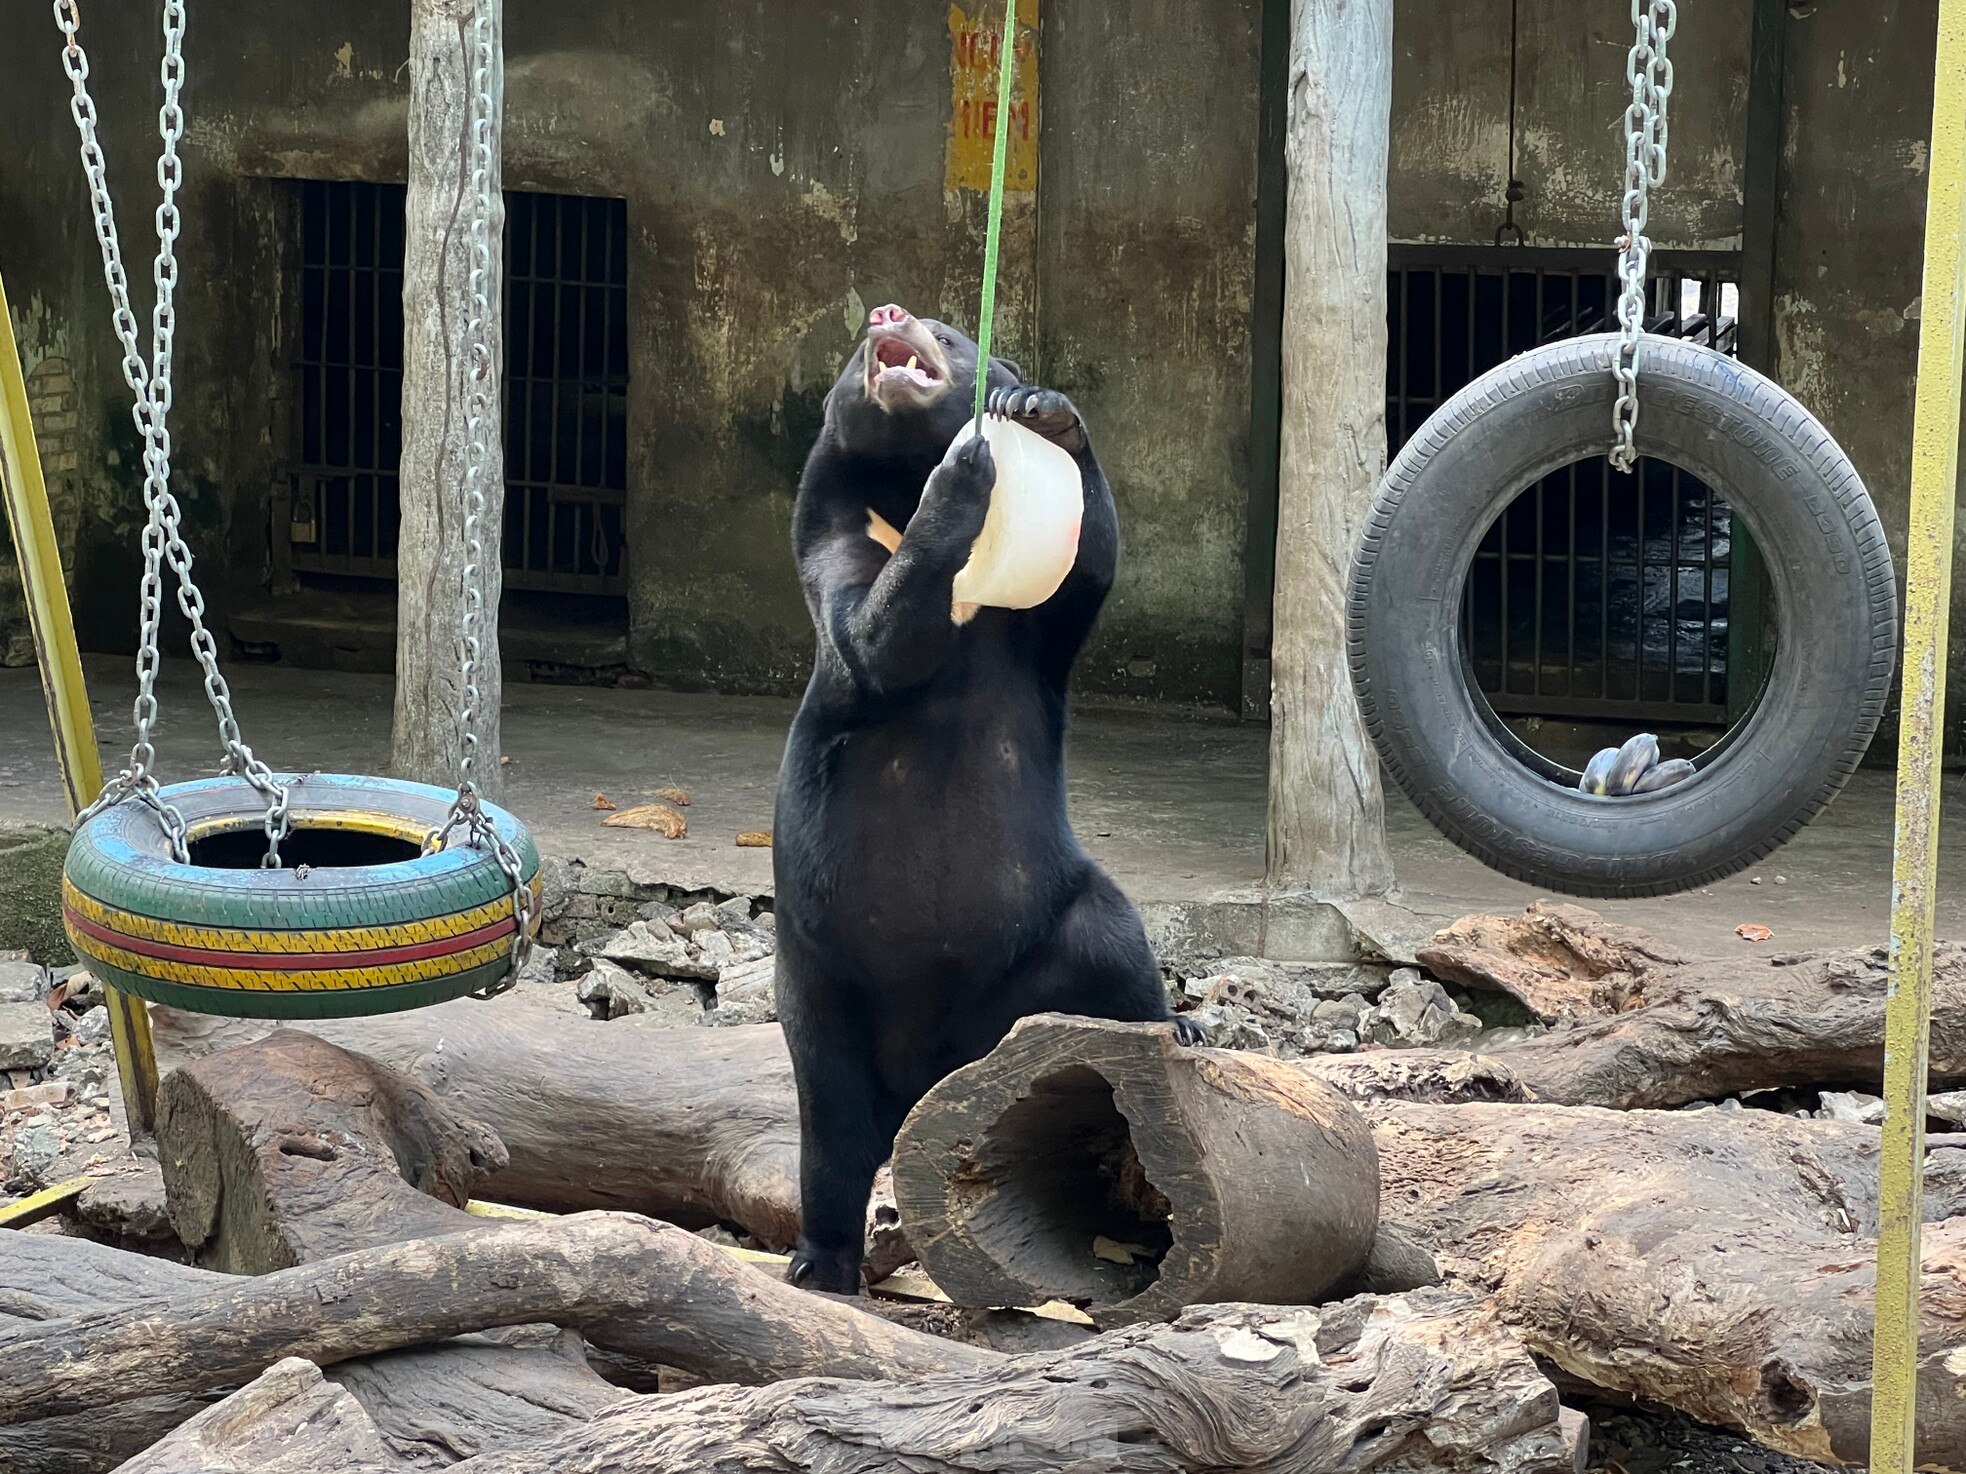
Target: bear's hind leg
{"points": [[847, 1125]]}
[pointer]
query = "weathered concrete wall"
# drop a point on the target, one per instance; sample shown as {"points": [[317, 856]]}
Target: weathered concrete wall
{"points": [[1851, 235], [1146, 265], [1450, 144], [786, 167]]}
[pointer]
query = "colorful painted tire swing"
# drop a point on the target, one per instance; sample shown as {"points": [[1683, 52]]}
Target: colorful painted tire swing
{"points": [[275, 895]]}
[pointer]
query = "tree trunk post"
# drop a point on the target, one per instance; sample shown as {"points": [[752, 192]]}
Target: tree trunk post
{"points": [[437, 254], [1327, 830]]}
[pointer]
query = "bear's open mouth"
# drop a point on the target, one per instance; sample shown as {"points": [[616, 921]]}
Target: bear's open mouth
{"points": [[902, 365]]}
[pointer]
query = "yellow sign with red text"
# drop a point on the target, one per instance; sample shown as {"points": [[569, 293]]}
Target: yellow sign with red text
{"points": [[974, 38]]}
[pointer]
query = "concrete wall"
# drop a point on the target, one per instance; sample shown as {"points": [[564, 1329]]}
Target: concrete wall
{"points": [[1450, 140], [1851, 235], [786, 167]]}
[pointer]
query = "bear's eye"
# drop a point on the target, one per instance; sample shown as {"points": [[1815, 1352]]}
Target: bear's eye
{"points": [[944, 340]]}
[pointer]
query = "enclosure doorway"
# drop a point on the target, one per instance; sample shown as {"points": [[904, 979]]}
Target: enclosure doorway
{"points": [[565, 401]]}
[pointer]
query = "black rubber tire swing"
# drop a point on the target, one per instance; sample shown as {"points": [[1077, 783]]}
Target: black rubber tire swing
{"points": [[1835, 595]]}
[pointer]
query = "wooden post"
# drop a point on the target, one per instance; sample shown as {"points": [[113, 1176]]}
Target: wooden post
{"points": [[436, 367], [1327, 818]]}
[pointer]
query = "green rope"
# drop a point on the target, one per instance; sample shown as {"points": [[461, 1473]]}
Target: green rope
{"points": [[994, 230]]}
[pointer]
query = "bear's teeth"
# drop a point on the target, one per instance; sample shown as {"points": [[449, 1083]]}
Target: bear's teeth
{"points": [[912, 361]]}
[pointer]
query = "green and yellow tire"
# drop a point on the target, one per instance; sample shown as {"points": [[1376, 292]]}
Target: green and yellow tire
{"points": [[326, 940]]}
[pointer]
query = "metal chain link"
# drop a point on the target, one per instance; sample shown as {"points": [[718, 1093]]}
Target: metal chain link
{"points": [[1649, 72], [481, 377], [150, 386]]}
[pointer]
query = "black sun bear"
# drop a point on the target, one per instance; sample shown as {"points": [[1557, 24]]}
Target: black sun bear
{"points": [[930, 891]]}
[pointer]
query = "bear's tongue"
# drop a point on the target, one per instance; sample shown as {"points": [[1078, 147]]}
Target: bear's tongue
{"points": [[893, 353]]}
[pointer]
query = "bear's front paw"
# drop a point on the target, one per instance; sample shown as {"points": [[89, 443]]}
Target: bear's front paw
{"points": [[969, 470], [1046, 411], [1187, 1031]]}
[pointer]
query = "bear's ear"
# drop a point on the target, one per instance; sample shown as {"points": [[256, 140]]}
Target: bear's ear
{"points": [[1008, 367]]}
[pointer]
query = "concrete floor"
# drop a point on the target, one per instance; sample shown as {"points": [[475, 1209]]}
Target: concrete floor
{"points": [[1174, 808]]}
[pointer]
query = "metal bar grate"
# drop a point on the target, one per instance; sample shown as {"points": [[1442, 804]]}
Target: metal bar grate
{"points": [[1595, 595], [566, 387]]}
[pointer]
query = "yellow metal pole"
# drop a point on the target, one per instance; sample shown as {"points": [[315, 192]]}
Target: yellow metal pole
{"points": [[40, 571], [1921, 741], [25, 496]]}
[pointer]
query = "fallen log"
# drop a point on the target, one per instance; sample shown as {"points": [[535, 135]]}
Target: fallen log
{"points": [[432, 1405], [289, 1149], [289, 1420], [1688, 1031], [632, 1286], [1414, 1384], [1562, 962], [695, 1126], [44, 1277], [1703, 1030], [1721, 1263], [1107, 1165]]}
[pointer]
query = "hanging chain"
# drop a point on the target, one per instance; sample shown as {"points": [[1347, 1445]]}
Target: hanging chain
{"points": [[1650, 74], [150, 386], [481, 377]]}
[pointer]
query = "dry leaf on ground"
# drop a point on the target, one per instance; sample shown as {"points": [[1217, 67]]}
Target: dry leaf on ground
{"points": [[1753, 931], [603, 802], [677, 796], [660, 817], [754, 839]]}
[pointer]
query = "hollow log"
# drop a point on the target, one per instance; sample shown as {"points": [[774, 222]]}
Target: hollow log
{"points": [[290, 1149], [1718, 1262], [1106, 1164], [1413, 1384], [696, 1126], [632, 1286]]}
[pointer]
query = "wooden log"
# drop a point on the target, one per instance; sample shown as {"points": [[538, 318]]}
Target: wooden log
{"points": [[290, 1149], [1560, 961], [1419, 1384], [1716, 1028], [431, 1405], [1439, 1076], [696, 1126], [701, 1125], [1718, 1262], [1105, 1164], [288, 1420], [293, 1419], [438, 370], [634, 1287], [44, 1277]]}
